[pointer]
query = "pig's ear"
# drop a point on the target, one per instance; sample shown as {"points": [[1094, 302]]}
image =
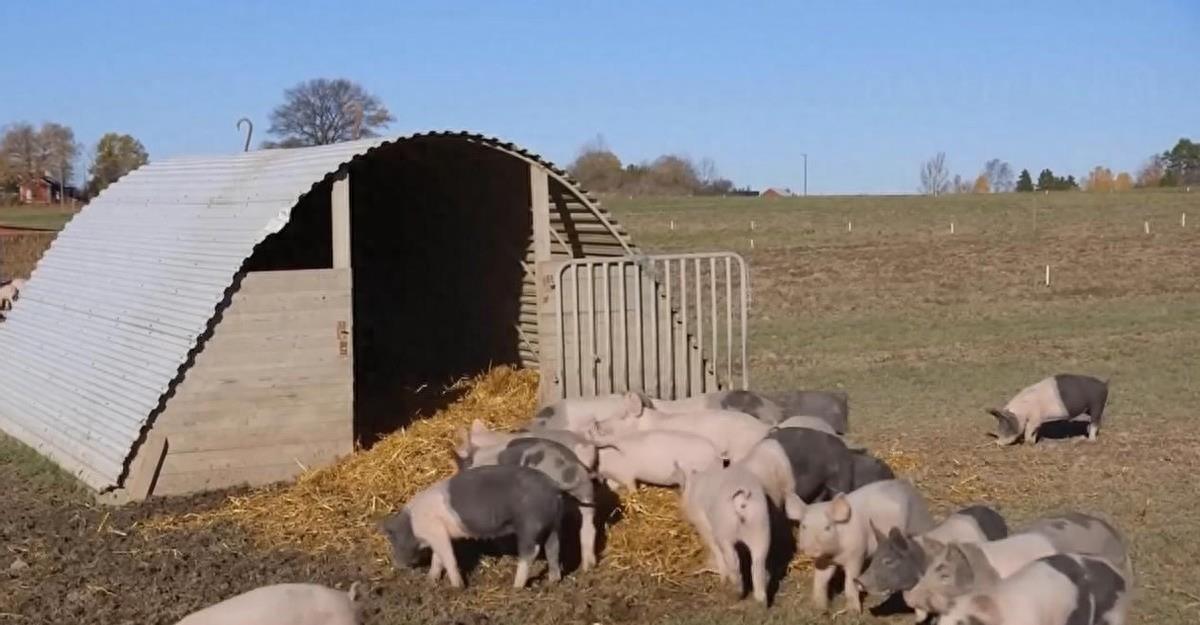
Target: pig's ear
{"points": [[478, 426], [839, 509], [897, 537], [1006, 423], [956, 557], [934, 547], [634, 404]]}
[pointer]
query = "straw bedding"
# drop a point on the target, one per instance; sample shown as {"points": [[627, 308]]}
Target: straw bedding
{"points": [[338, 507]]}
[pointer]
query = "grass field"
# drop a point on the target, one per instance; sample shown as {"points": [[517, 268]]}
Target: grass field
{"points": [[925, 329], [51, 217]]}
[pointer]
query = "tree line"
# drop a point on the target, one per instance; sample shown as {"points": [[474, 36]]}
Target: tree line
{"points": [[599, 169], [1179, 166], [29, 152]]}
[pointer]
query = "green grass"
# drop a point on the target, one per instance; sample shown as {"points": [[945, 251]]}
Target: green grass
{"points": [[926, 329], [52, 217]]}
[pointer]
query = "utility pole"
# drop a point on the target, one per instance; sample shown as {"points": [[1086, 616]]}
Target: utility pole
{"points": [[805, 155]]}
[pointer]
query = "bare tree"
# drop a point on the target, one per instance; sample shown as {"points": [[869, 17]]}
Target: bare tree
{"points": [[959, 185], [25, 151], [999, 176], [323, 111], [935, 177]]}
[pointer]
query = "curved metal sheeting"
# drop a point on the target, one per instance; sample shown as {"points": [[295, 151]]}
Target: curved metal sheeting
{"points": [[121, 298]]}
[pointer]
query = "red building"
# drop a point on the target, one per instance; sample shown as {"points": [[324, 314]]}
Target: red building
{"points": [[43, 190]]}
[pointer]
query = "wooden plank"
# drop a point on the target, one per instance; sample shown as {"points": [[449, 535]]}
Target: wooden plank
{"points": [[539, 198], [145, 468], [339, 206], [251, 303], [298, 391], [262, 282], [190, 482], [213, 439], [308, 454], [236, 413], [289, 322], [204, 380]]}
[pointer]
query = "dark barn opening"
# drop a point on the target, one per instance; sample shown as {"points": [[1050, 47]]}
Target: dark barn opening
{"points": [[438, 229]]}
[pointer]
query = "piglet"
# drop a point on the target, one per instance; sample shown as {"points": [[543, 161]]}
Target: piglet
{"points": [[812, 423], [839, 533], [900, 559], [728, 506], [831, 406], [957, 569], [1061, 397], [480, 503], [746, 402], [732, 433], [1062, 589], [556, 462], [820, 463], [282, 604], [652, 457], [481, 436], [577, 414]]}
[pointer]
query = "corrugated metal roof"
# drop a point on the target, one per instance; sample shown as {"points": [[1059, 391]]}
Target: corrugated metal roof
{"points": [[122, 296]]}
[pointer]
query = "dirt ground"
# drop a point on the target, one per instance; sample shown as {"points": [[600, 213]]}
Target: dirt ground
{"points": [[924, 331]]}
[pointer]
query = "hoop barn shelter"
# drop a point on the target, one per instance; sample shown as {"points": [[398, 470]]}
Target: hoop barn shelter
{"points": [[212, 321]]}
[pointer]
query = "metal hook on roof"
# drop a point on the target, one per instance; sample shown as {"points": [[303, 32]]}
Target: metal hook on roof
{"points": [[249, 131]]}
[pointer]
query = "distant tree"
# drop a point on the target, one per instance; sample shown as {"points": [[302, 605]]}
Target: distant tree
{"points": [[1099, 180], [935, 176], [672, 174], [999, 175], [597, 168], [323, 111], [1151, 172], [981, 185], [1123, 182], [1046, 181], [958, 185], [1182, 163], [24, 151], [1069, 184], [1024, 182], [116, 155]]}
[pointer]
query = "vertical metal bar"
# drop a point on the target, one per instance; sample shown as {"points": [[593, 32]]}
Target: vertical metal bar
{"points": [[699, 355], [624, 325], [562, 337], [712, 298], [641, 346], [608, 326], [578, 337], [683, 313], [745, 366], [728, 322], [591, 299], [670, 332]]}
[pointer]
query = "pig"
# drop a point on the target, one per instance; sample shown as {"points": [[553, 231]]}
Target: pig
{"points": [[577, 414], [652, 457], [10, 292], [900, 559], [747, 402], [481, 436], [282, 604], [831, 406], [839, 533], [1062, 589], [812, 423], [1062, 397], [727, 505], [957, 569], [732, 433], [867, 468], [480, 503], [821, 464], [559, 464]]}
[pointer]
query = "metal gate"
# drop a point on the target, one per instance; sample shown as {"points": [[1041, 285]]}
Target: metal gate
{"points": [[671, 325]]}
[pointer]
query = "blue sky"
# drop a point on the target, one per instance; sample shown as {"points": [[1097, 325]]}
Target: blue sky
{"points": [[867, 89]]}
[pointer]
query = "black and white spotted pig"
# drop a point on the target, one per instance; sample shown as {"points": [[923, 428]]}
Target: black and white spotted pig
{"points": [[1062, 397], [901, 559], [747, 402], [480, 503], [558, 463], [1062, 589]]}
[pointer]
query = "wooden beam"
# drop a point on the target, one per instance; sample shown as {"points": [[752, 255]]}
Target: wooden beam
{"points": [[539, 200], [339, 203]]}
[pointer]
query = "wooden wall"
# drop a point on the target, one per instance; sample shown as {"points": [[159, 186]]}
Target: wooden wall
{"points": [[271, 391]]}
